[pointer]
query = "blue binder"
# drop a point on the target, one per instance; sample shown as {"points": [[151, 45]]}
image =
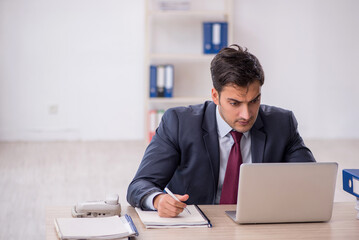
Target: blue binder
{"points": [[153, 79], [160, 81], [351, 181], [224, 37], [215, 36], [207, 38], [169, 76]]}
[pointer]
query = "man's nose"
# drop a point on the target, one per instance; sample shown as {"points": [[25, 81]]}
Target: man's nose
{"points": [[244, 112]]}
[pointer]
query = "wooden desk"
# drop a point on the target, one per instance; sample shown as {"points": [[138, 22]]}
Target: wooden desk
{"points": [[343, 225]]}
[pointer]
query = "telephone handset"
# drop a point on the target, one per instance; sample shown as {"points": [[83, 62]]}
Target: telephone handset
{"points": [[108, 207]]}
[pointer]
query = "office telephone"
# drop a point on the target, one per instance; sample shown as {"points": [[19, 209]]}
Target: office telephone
{"points": [[108, 207]]}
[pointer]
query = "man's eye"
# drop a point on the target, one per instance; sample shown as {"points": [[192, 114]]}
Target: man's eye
{"points": [[233, 103], [255, 100]]}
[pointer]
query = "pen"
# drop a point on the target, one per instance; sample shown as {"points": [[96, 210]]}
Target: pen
{"points": [[174, 197]]}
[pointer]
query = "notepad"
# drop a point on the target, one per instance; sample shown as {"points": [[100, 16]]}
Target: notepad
{"points": [[95, 228], [197, 218]]}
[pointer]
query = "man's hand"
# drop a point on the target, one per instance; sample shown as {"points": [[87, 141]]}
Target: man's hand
{"points": [[167, 206]]}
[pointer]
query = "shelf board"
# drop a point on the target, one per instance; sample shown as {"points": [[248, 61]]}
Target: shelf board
{"points": [[186, 13], [183, 57], [179, 100]]}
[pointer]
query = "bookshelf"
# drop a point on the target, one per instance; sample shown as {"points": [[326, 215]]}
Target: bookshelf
{"points": [[175, 37]]}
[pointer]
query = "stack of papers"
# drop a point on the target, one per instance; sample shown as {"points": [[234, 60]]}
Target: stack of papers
{"points": [[95, 228], [196, 218]]}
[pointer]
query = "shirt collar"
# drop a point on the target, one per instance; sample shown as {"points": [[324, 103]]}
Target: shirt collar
{"points": [[222, 127]]}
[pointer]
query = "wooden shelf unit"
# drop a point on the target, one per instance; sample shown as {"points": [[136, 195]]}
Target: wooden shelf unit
{"points": [[176, 37]]}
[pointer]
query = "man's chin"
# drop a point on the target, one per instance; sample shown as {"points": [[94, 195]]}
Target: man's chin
{"points": [[243, 129]]}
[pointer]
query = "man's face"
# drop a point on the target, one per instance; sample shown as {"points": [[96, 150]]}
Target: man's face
{"points": [[238, 106]]}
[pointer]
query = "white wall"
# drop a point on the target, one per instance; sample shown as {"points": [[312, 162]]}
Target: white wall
{"points": [[309, 51], [73, 69]]}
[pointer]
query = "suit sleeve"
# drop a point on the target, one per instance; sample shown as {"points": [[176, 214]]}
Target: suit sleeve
{"points": [[159, 162], [296, 151]]}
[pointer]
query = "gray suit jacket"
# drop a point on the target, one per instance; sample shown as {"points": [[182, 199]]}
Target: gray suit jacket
{"points": [[184, 153]]}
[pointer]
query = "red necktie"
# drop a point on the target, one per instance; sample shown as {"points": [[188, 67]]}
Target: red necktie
{"points": [[230, 183]]}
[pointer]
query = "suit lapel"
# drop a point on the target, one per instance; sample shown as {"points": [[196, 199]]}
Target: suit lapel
{"points": [[210, 138], [258, 139]]}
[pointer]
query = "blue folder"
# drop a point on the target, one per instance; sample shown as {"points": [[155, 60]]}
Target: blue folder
{"points": [[209, 45], [153, 80], [351, 181]]}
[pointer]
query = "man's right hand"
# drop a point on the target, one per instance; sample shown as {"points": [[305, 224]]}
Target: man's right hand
{"points": [[167, 206]]}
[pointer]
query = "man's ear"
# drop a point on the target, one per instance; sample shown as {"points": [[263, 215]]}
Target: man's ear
{"points": [[215, 96]]}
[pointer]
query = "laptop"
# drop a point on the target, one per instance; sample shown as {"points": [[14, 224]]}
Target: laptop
{"points": [[285, 192]]}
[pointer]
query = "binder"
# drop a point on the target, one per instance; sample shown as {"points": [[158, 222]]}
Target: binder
{"points": [[153, 81], [160, 81], [169, 75], [207, 38], [152, 123], [215, 36], [351, 181], [222, 34]]}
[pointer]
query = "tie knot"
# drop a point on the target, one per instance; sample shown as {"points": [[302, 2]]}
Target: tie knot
{"points": [[236, 136]]}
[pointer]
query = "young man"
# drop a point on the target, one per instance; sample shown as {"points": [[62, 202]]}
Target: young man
{"points": [[194, 145]]}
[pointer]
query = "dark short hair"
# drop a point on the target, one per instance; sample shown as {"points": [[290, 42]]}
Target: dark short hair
{"points": [[234, 65]]}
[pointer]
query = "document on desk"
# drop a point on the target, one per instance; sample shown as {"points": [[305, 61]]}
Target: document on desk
{"points": [[95, 228], [196, 218]]}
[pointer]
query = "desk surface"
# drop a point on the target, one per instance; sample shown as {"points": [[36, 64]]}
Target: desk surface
{"points": [[343, 225]]}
